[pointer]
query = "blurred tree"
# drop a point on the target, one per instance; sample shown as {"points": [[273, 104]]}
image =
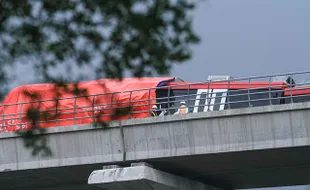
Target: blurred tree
{"points": [[144, 37]]}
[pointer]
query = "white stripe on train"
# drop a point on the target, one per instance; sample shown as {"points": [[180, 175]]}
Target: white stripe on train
{"points": [[209, 101]]}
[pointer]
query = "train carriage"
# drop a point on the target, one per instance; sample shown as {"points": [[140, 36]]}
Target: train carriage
{"points": [[216, 96]]}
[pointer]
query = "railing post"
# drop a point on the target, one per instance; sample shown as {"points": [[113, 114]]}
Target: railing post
{"points": [[93, 108], [209, 96], [168, 101], [111, 103], [249, 97], [269, 92], [74, 111], [187, 102], [56, 112], [39, 109], [227, 95], [291, 86], [149, 100], [3, 123], [20, 116], [131, 108]]}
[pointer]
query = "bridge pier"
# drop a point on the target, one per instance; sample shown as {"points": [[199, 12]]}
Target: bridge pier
{"points": [[141, 176]]}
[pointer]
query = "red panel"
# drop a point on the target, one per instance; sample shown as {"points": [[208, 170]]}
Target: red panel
{"points": [[226, 85], [297, 90]]}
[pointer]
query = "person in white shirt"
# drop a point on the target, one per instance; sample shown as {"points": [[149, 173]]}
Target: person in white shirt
{"points": [[183, 109]]}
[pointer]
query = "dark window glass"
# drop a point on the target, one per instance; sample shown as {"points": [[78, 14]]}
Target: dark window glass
{"points": [[202, 102], [298, 98], [163, 97], [258, 97], [188, 96], [198, 102], [176, 96]]}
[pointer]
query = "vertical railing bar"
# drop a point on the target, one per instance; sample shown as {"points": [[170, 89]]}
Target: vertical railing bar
{"points": [[39, 109], [93, 108], [111, 109], [291, 86], [56, 99], [187, 102], [131, 108], [269, 90], [20, 115], [74, 111], [168, 106], [249, 97], [227, 95], [3, 127], [149, 101], [208, 97]]}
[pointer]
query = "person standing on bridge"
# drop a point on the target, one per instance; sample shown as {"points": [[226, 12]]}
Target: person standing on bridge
{"points": [[155, 111], [183, 109]]}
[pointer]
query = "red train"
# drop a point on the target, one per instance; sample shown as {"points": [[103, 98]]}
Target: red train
{"points": [[106, 95]]}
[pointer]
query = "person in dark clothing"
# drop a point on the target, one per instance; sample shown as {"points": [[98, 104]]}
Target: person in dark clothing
{"points": [[155, 111]]}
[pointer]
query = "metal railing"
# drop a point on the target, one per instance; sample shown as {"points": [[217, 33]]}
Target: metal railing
{"points": [[251, 92]]}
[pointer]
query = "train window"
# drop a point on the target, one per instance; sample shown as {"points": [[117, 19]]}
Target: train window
{"points": [[188, 96], [197, 100], [163, 97], [174, 97], [298, 98], [258, 97]]}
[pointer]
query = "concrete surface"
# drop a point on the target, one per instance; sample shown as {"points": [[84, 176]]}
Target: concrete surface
{"points": [[242, 148], [142, 177]]}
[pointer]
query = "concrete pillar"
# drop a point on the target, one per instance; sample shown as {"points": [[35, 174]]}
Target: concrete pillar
{"points": [[141, 176]]}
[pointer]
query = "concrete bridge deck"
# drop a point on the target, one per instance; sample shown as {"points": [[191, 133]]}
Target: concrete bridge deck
{"points": [[242, 148]]}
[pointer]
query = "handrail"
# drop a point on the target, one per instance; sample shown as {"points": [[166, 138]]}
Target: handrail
{"points": [[273, 94]]}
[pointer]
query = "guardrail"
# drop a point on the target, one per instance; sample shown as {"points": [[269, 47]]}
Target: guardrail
{"points": [[274, 93]]}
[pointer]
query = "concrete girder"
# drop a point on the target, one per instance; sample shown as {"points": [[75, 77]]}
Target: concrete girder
{"points": [[142, 177]]}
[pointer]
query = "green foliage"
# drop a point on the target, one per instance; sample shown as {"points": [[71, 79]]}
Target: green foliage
{"points": [[145, 37], [37, 141], [141, 36]]}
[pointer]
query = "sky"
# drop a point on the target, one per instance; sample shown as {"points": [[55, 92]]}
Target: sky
{"points": [[239, 38], [242, 38], [249, 37]]}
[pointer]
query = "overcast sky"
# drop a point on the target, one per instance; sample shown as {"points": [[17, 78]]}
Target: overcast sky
{"points": [[249, 37], [241, 38]]}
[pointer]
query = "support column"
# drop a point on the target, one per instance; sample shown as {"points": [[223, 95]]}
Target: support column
{"points": [[141, 176]]}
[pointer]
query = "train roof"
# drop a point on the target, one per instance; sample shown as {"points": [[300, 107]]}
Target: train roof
{"points": [[226, 85]]}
